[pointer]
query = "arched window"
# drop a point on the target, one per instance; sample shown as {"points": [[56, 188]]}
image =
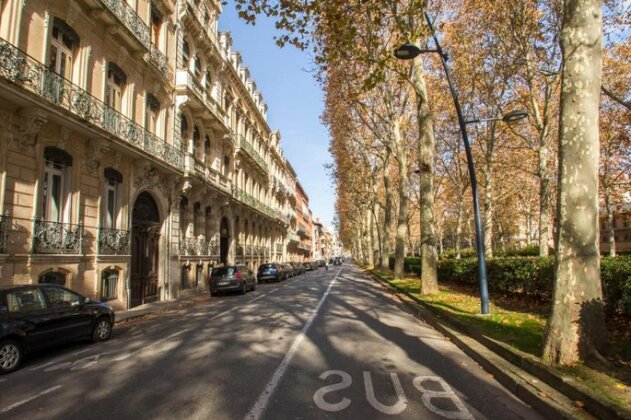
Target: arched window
{"points": [[186, 54], [112, 198], [156, 24], [53, 277], [226, 166], [196, 141], [152, 113], [197, 209], [207, 150], [109, 284], [183, 217], [183, 125], [55, 197], [208, 223]]}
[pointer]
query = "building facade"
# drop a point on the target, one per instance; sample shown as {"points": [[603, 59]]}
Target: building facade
{"points": [[135, 152]]}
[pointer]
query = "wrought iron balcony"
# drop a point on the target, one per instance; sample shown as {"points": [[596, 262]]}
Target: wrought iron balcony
{"points": [[113, 241], [130, 20], [239, 250], [184, 79], [5, 225], [28, 73], [279, 248], [193, 246], [210, 175], [57, 238], [254, 155], [159, 60], [213, 248]]}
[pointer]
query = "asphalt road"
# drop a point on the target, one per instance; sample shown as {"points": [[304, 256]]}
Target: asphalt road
{"points": [[326, 344]]}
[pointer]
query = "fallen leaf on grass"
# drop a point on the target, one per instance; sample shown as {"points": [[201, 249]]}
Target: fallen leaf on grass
{"points": [[543, 394], [620, 387], [579, 404]]}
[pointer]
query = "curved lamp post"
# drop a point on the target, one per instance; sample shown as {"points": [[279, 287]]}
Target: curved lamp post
{"points": [[411, 51]]}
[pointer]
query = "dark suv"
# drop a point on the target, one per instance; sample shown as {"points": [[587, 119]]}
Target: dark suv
{"points": [[34, 317], [232, 278], [269, 272]]}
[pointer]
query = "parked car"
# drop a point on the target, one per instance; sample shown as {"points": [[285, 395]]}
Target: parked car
{"points": [[308, 266], [270, 272], [39, 316], [231, 278], [298, 268], [289, 269]]}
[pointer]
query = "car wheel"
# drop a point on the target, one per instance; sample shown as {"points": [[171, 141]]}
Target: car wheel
{"points": [[102, 330], [10, 356]]}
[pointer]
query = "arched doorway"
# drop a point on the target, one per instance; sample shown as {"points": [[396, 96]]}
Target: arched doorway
{"points": [[145, 250], [224, 241]]}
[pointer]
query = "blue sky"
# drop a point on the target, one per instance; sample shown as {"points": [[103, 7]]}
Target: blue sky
{"points": [[283, 75]]}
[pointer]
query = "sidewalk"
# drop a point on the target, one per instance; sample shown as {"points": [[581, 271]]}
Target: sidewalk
{"points": [[553, 395], [189, 297]]}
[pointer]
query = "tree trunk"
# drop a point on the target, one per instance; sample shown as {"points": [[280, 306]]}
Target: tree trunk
{"points": [[379, 232], [488, 208], [610, 230], [426, 152], [576, 327], [402, 220], [368, 238], [544, 194], [458, 229], [387, 217]]}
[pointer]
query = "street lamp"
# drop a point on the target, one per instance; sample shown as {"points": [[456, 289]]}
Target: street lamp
{"points": [[411, 51]]}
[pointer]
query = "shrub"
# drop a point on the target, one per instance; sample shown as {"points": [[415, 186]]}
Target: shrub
{"points": [[410, 264], [615, 274]]}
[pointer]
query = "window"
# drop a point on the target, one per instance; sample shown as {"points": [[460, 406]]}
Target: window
{"points": [[183, 125], [186, 53], [114, 86], [109, 284], [152, 113], [208, 224], [53, 277], [156, 24], [207, 150], [55, 197], [27, 299], [199, 273], [226, 165], [63, 40], [183, 217], [208, 82], [196, 214], [198, 67], [61, 298], [112, 198]]}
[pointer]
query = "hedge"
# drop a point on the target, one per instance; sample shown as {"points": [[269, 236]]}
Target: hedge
{"points": [[533, 277]]}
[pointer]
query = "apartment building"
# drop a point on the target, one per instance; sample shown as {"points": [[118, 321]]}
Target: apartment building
{"points": [[135, 152]]}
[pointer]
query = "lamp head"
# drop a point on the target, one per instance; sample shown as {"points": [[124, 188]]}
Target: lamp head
{"points": [[515, 115], [407, 52]]}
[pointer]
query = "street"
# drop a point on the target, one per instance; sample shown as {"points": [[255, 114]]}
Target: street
{"points": [[326, 344]]}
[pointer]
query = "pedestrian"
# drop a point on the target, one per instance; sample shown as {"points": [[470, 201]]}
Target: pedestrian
{"points": [[326, 265]]}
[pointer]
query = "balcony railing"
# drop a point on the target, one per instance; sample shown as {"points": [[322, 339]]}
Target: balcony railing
{"points": [[199, 247], [57, 238], [159, 60], [188, 79], [130, 19], [249, 149], [197, 13], [240, 250], [23, 70], [279, 248], [294, 238], [210, 175], [113, 241], [5, 225]]}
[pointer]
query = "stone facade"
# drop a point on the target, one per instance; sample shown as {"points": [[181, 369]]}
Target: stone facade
{"points": [[135, 154]]}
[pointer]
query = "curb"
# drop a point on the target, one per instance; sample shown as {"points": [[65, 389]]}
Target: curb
{"points": [[470, 342], [133, 314]]}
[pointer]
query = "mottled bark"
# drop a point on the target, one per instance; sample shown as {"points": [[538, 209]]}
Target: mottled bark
{"points": [[576, 328], [387, 218], [426, 152], [488, 208], [458, 229], [368, 238], [544, 197], [379, 232]]}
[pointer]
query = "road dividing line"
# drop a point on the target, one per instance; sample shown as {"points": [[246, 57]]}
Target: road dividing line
{"points": [[261, 404], [29, 399]]}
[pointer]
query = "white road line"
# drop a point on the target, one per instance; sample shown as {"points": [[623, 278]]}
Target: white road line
{"points": [[29, 399], [261, 403], [81, 351]]}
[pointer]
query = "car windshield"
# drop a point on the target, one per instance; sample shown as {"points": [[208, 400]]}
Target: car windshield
{"points": [[223, 271]]}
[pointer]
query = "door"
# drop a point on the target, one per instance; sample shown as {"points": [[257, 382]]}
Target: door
{"points": [[72, 319], [27, 307], [224, 241], [145, 250]]}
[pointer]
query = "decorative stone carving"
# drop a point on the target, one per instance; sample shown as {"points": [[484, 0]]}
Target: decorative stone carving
{"points": [[30, 122], [118, 157], [94, 151], [147, 176]]}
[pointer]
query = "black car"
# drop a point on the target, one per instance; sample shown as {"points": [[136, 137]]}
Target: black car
{"points": [[232, 278], [270, 272], [34, 317], [298, 268]]}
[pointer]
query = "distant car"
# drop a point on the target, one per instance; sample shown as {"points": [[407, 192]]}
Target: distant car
{"points": [[337, 261], [232, 278], [309, 266], [39, 316], [270, 272], [290, 269]]}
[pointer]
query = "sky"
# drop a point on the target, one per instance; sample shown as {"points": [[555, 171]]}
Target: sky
{"points": [[284, 77]]}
